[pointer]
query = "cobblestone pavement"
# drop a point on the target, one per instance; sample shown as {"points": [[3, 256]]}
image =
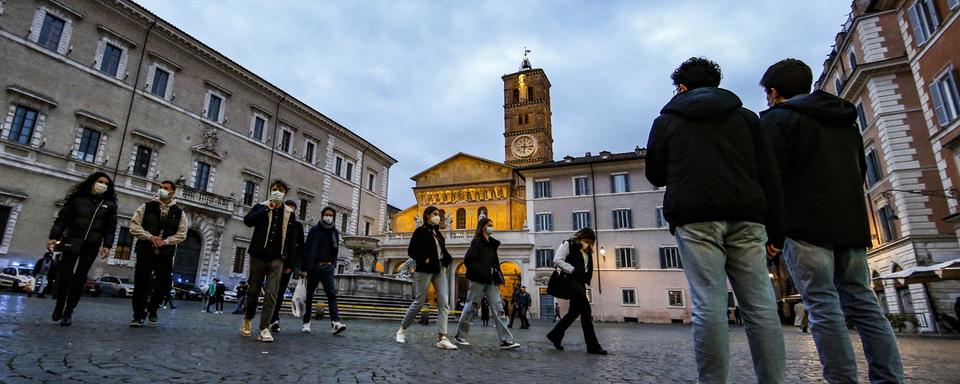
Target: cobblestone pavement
{"points": [[189, 346]]}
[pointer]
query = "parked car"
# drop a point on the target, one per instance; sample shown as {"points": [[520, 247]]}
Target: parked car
{"points": [[17, 278], [230, 296], [116, 286], [187, 291], [92, 287]]}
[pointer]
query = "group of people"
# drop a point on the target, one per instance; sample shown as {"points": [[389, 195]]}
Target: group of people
{"points": [[86, 223], [740, 188]]}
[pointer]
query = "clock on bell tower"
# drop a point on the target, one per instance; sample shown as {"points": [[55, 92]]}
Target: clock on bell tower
{"points": [[528, 132]]}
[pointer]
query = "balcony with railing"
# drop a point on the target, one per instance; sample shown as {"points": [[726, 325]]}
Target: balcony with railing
{"points": [[202, 199]]}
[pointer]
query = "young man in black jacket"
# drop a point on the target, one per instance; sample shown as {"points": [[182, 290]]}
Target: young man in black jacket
{"points": [[721, 184], [291, 261], [822, 166], [158, 225], [272, 223], [319, 266]]}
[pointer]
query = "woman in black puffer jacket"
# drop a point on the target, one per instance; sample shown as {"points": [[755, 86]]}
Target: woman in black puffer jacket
{"points": [[84, 228], [484, 274]]}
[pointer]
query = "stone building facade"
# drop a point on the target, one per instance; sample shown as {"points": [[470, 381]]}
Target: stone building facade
{"points": [[105, 85], [639, 274], [895, 61]]}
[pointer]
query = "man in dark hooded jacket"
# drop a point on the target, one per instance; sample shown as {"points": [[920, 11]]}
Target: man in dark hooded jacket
{"points": [[722, 185], [821, 158]]}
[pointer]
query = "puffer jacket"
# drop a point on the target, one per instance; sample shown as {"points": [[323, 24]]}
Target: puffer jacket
{"points": [[85, 220]]}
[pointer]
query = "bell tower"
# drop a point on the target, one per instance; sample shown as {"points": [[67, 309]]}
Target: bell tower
{"points": [[527, 127]]}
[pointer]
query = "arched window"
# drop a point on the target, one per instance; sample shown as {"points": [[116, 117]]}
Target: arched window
{"points": [[520, 119], [516, 95], [443, 219], [461, 218], [530, 93], [481, 212]]}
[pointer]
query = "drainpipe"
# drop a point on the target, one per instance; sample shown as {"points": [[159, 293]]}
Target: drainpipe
{"points": [[360, 193], [273, 144], [133, 96], [593, 195]]}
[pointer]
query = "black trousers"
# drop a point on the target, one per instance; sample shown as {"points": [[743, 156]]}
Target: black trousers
{"points": [[325, 274], [73, 271], [284, 282], [151, 281], [579, 307], [217, 302]]}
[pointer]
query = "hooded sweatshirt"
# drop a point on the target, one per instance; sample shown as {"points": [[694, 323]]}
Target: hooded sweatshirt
{"points": [[823, 167], [714, 160]]}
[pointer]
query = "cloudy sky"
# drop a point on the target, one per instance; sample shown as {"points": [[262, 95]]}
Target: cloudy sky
{"points": [[421, 80]]}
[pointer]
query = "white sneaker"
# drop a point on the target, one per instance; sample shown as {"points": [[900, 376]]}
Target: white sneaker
{"points": [[265, 336], [306, 327], [336, 327], [445, 343], [461, 340], [401, 336]]}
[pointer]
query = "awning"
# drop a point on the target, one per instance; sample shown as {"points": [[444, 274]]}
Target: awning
{"points": [[949, 270]]}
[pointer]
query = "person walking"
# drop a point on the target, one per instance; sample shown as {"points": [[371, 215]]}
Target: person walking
{"points": [[212, 295], [485, 311], [272, 233], [429, 250], [319, 266], [523, 305], [158, 225], [218, 296], [241, 297], [737, 317], [168, 300], [721, 198], [556, 311], [817, 143], [483, 277], [291, 261], [85, 227], [40, 271], [514, 305], [575, 258], [205, 302]]}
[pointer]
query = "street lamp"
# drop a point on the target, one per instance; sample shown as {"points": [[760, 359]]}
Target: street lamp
{"points": [[603, 252]]}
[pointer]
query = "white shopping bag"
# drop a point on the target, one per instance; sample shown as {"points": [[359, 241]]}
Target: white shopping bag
{"points": [[298, 304]]}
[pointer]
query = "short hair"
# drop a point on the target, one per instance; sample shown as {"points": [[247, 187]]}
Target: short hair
{"points": [[290, 202], [697, 72], [282, 184], [790, 77], [170, 183], [325, 209]]}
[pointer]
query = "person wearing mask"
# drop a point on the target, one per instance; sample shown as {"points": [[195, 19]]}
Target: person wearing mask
{"points": [[84, 227], [722, 201], [291, 261], [212, 295], [319, 266], [429, 250], [817, 143], [575, 258], [158, 225], [272, 234], [484, 277]]}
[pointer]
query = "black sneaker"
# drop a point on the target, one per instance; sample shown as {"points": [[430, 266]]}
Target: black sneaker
{"points": [[275, 327], [508, 345], [152, 318], [136, 323]]}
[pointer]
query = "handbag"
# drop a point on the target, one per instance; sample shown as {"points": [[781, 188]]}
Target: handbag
{"points": [[298, 304], [559, 284]]}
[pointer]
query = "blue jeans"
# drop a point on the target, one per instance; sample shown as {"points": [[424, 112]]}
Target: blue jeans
{"points": [[835, 285], [421, 283], [712, 252], [474, 297]]}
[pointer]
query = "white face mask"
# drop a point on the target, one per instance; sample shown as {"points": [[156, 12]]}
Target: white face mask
{"points": [[99, 188], [276, 196], [163, 194], [489, 230], [328, 220], [435, 220]]}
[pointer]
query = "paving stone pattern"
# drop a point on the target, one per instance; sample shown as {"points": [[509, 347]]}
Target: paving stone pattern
{"points": [[189, 347]]}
